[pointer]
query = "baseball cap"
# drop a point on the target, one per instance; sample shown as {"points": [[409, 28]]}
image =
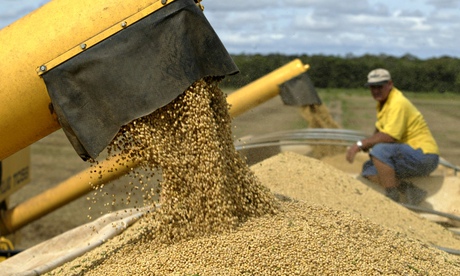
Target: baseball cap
{"points": [[378, 77]]}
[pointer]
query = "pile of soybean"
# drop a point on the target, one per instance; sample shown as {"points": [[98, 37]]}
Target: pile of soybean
{"points": [[217, 218]]}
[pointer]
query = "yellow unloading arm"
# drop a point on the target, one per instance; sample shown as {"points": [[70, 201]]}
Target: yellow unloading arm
{"points": [[241, 101]]}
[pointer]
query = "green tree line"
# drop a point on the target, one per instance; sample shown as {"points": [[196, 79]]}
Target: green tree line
{"points": [[409, 73]]}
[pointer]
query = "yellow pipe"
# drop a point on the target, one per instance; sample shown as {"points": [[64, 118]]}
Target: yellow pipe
{"points": [[264, 88], [58, 196], [37, 38], [241, 100]]}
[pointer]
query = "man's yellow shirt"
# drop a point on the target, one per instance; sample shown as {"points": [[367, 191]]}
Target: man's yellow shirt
{"points": [[400, 119]]}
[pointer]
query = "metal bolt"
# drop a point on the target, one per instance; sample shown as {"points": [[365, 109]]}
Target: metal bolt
{"points": [[124, 24], [164, 2], [43, 68], [83, 46]]}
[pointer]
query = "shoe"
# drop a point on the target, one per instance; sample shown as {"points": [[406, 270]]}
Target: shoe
{"points": [[414, 194], [403, 185], [392, 193]]}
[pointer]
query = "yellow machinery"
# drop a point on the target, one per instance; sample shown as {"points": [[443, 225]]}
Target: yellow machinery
{"points": [[86, 66]]}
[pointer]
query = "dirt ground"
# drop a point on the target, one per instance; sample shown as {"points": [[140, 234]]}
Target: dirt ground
{"points": [[53, 160]]}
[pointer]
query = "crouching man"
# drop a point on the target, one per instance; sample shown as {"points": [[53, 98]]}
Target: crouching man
{"points": [[402, 145]]}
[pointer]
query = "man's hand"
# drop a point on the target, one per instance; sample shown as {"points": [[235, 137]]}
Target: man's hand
{"points": [[351, 153], [378, 137]]}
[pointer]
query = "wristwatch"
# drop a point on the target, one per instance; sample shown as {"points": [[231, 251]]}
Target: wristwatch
{"points": [[359, 144]]}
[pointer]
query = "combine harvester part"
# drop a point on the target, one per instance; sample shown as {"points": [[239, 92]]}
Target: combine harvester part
{"points": [[92, 66]]}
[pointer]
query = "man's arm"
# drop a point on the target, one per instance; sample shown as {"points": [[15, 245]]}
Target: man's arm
{"points": [[378, 137]]}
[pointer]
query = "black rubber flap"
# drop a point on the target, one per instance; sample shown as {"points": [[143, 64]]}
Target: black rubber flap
{"points": [[133, 73], [299, 91]]}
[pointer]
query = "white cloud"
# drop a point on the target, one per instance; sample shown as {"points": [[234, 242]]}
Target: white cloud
{"points": [[423, 28], [443, 4]]}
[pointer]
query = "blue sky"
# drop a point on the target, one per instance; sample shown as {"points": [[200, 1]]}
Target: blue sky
{"points": [[423, 28]]}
